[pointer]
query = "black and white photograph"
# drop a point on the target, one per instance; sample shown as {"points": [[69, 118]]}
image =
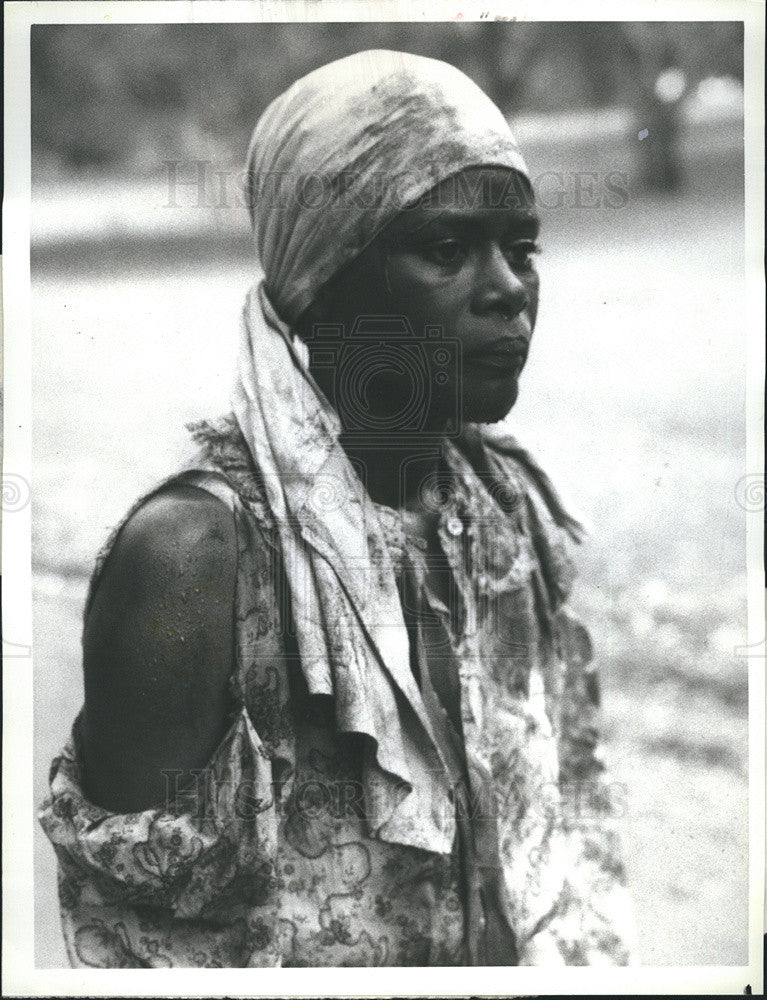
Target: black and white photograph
{"points": [[383, 499]]}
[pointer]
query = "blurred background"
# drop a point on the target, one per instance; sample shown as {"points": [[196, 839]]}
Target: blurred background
{"points": [[634, 396]]}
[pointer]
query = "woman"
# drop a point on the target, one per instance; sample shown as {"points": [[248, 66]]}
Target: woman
{"points": [[336, 710]]}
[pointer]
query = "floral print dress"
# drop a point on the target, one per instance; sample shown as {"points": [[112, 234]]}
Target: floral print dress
{"points": [[267, 859]]}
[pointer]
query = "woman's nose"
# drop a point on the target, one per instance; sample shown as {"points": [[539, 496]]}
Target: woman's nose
{"points": [[499, 288]]}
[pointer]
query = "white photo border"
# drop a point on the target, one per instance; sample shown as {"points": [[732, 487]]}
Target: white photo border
{"points": [[20, 977]]}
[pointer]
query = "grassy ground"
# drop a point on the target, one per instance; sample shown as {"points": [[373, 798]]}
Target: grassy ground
{"points": [[634, 397]]}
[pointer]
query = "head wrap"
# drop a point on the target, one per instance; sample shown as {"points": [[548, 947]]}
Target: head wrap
{"points": [[344, 149], [332, 160]]}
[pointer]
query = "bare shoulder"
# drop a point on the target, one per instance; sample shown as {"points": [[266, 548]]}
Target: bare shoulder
{"points": [[158, 647], [183, 531]]}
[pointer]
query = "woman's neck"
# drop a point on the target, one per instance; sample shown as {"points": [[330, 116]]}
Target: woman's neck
{"points": [[397, 475]]}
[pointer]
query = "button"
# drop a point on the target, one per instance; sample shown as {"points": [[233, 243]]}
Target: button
{"points": [[454, 526]]}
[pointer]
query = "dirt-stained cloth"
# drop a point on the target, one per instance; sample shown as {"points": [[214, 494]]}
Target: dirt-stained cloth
{"points": [[268, 859]]}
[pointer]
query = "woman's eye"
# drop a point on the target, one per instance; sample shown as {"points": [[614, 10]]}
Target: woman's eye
{"points": [[520, 253], [445, 252]]}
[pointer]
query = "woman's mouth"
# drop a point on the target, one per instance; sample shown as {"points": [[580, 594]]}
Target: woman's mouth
{"points": [[499, 360]]}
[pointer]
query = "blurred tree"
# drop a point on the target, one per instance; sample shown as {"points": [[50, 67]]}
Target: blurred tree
{"points": [[126, 97]]}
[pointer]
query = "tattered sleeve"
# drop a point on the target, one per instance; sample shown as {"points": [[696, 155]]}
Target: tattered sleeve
{"points": [[188, 884], [191, 882]]}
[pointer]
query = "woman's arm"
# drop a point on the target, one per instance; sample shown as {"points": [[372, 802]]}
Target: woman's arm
{"points": [[158, 650]]}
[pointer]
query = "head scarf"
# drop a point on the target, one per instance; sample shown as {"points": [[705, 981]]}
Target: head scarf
{"points": [[346, 148], [332, 160]]}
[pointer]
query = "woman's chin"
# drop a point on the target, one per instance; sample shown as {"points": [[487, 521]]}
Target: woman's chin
{"points": [[489, 408]]}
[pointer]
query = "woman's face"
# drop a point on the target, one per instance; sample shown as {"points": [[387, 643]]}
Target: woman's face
{"points": [[460, 260]]}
